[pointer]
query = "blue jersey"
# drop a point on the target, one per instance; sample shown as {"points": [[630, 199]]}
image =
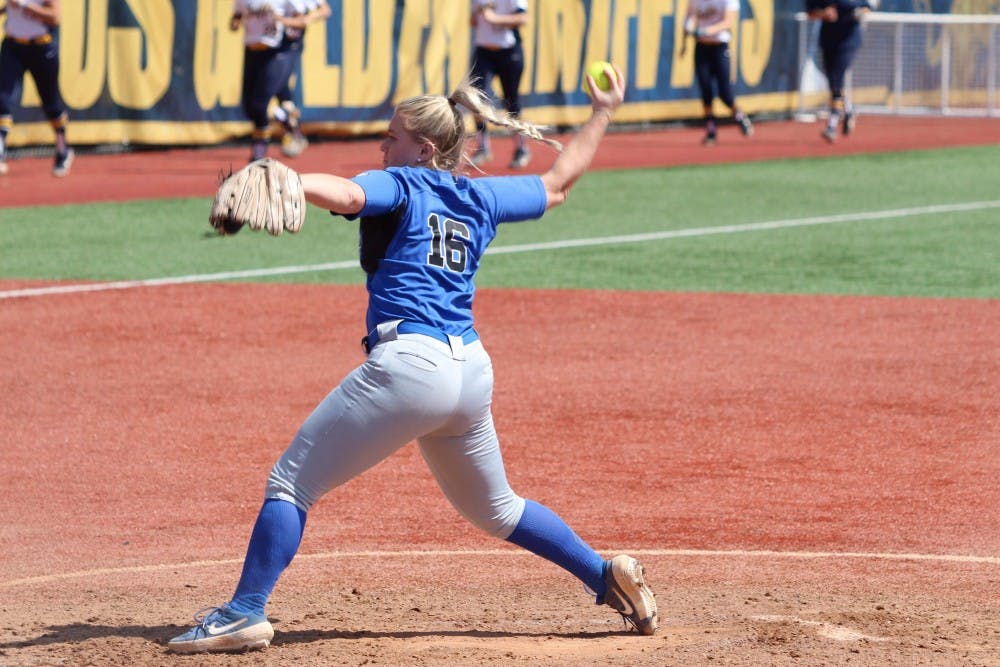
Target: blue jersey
{"points": [[438, 227]]}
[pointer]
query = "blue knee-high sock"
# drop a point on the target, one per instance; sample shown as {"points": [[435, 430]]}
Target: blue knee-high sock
{"points": [[273, 543], [543, 533]]}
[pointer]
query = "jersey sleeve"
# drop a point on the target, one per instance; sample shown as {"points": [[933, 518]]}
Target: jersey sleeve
{"points": [[516, 198], [383, 193]]}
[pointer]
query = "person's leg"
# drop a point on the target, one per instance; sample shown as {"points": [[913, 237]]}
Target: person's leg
{"points": [[44, 68], [294, 141], [719, 64], [469, 469], [5, 125], [278, 72], [483, 71], [464, 457], [12, 70], [850, 115], [284, 93], [835, 66], [264, 72], [360, 423], [272, 72], [721, 72], [511, 69], [260, 137], [274, 542], [254, 107], [703, 75]]}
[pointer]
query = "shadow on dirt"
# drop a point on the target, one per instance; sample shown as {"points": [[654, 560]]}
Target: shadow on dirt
{"points": [[160, 634]]}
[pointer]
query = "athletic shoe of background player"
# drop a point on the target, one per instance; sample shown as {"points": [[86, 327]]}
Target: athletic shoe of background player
{"points": [[521, 159], [481, 156], [292, 145], [62, 163], [850, 118]]}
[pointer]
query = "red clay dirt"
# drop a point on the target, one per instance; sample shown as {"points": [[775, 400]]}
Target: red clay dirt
{"points": [[808, 480]]}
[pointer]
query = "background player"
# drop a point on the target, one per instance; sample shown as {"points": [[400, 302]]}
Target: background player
{"points": [[266, 58], [293, 143], [30, 45], [424, 229], [711, 22], [839, 41], [498, 53]]}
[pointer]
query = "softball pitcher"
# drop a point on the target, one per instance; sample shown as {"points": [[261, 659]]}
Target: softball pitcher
{"points": [[424, 229], [30, 45]]}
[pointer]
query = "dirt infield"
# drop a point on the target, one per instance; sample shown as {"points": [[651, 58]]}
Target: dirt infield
{"points": [[808, 480]]}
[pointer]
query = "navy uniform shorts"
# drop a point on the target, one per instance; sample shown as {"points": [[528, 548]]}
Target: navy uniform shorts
{"points": [[38, 57]]}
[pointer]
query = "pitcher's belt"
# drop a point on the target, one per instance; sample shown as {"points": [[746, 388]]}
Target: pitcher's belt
{"points": [[373, 338]]}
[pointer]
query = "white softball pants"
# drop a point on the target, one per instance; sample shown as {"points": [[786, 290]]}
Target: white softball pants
{"points": [[412, 387]]}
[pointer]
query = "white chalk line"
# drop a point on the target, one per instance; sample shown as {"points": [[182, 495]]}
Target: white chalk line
{"points": [[472, 553], [176, 280], [513, 249]]}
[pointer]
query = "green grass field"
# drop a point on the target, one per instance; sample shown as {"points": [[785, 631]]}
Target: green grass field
{"points": [[701, 220]]}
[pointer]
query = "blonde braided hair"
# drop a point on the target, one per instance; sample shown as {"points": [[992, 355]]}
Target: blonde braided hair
{"points": [[438, 120]]}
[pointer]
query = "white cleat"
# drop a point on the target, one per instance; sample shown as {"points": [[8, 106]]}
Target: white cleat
{"points": [[221, 629], [629, 595]]}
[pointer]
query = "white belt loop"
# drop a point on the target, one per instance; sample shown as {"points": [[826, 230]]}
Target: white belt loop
{"points": [[387, 330], [457, 348]]}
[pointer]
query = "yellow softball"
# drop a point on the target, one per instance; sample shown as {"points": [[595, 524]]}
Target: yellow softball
{"points": [[596, 69]]}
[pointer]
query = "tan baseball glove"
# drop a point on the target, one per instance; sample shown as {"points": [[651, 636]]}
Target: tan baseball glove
{"points": [[265, 194]]}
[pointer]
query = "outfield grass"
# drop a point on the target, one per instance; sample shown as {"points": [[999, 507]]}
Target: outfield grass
{"points": [[927, 254]]}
